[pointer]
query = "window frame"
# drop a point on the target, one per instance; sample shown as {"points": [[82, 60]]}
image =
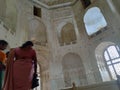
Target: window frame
{"points": [[111, 60]]}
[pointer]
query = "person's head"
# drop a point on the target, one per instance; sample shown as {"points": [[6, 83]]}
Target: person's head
{"points": [[27, 44], [3, 44]]}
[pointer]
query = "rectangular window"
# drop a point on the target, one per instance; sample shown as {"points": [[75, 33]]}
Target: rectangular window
{"points": [[37, 12]]}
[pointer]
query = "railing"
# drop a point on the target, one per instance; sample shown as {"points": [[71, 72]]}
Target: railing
{"points": [[6, 27], [111, 85]]}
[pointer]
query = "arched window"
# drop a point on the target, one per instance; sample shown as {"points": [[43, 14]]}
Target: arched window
{"points": [[112, 58], [94, 20]]}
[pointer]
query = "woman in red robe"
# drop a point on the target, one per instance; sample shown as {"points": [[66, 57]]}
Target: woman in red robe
{"points": [[21, 65]]}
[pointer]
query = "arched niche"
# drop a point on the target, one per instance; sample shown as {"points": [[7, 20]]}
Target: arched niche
{"points": [[99, 53], [43, 62], [67, 34], [94, 20], [38, 34], [37, 31], [73, 70]]}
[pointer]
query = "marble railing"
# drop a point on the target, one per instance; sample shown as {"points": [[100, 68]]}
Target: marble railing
{"points": [[111, 85], [3, 25], [7, 34]]}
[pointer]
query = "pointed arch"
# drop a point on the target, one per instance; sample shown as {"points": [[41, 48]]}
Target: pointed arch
{"points": [[67, 34], [73, 70], [37, 31]]}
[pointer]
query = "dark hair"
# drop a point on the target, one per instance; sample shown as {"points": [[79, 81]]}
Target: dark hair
{"points": [[27, 43], [3, 42]]}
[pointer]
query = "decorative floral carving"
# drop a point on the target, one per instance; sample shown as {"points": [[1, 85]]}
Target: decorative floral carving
{"points": [[55, 2]]}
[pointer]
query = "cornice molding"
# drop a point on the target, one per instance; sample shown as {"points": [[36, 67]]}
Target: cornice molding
{"points": [[66, 4]]}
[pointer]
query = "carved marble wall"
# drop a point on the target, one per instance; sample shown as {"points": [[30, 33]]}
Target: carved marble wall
{"points": [[55, 65]]}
